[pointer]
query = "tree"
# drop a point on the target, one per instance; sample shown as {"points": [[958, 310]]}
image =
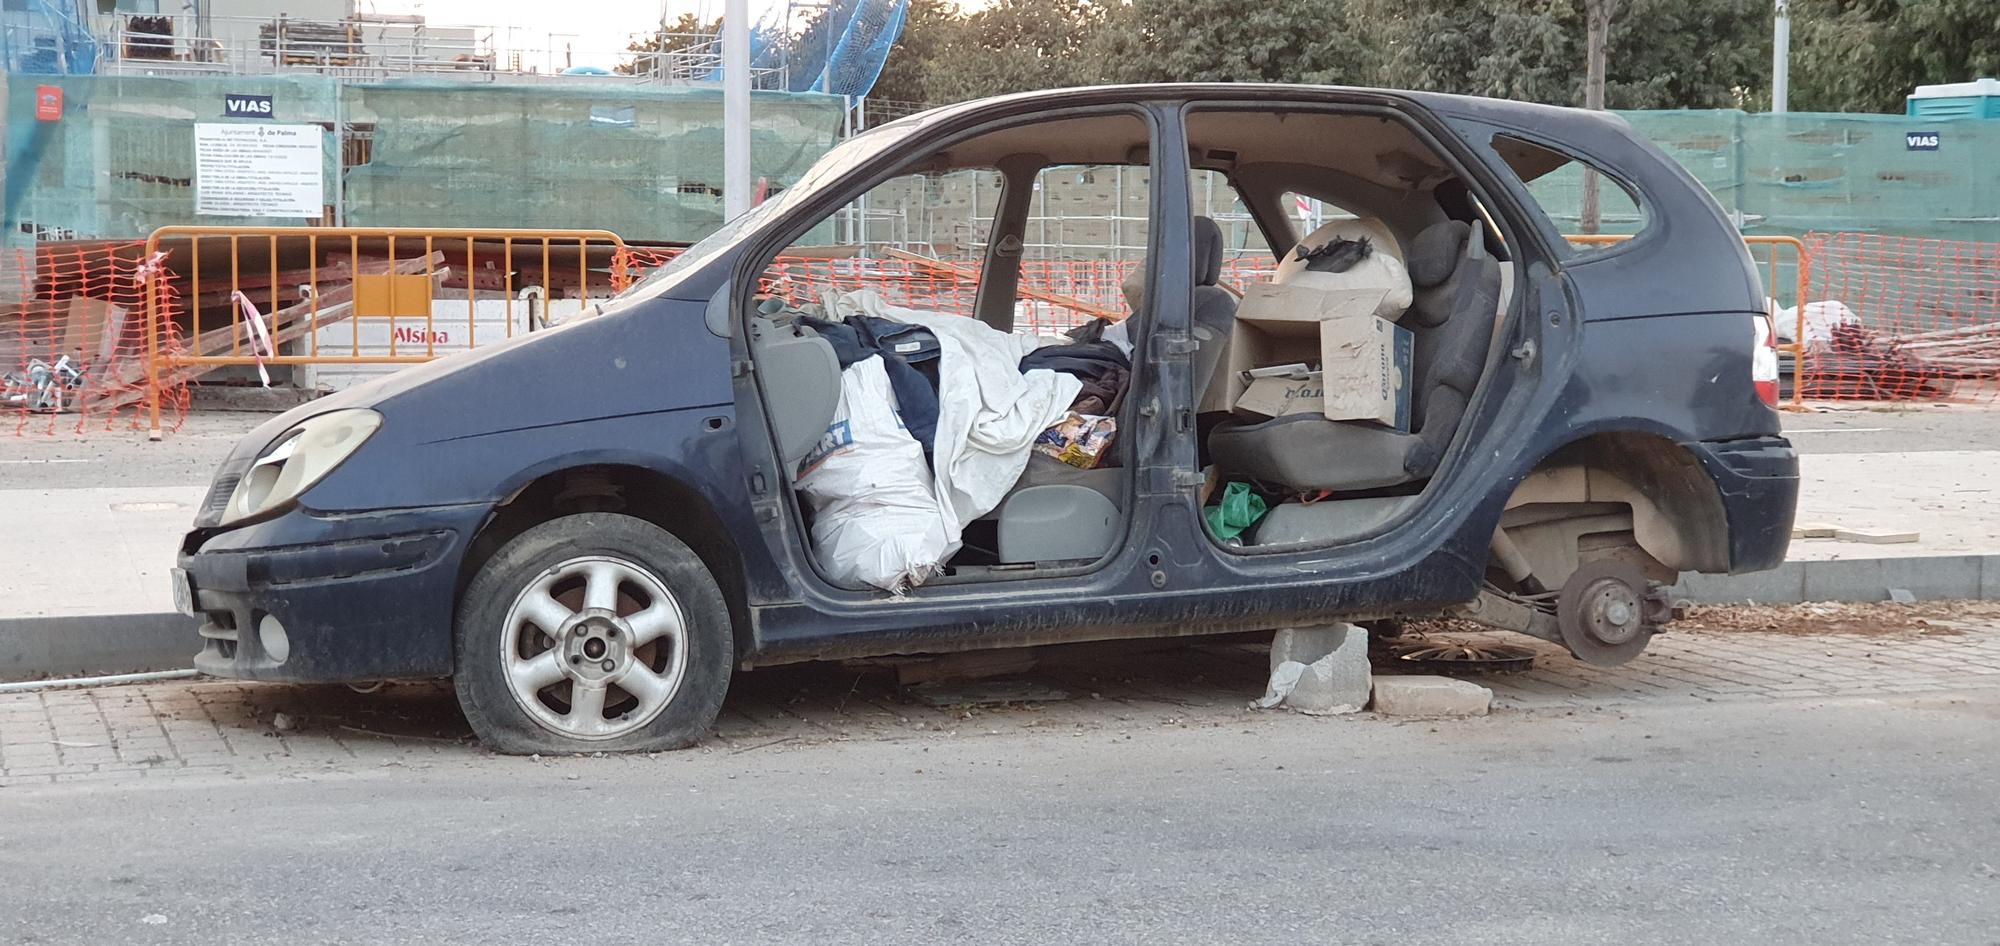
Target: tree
{"points": [[928, 29], [1233, 41], [1597, 17], [1017, 45], [1867, 55], [1664, 53]]}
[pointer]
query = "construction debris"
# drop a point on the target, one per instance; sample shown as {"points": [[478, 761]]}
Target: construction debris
{"points": [[1838, 533]]}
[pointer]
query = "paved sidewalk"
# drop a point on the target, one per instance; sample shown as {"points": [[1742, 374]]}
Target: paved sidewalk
{"points": [[167, 730]]}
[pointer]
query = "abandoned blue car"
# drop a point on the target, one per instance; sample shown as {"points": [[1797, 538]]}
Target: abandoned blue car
{"points": [[1419, 399]]}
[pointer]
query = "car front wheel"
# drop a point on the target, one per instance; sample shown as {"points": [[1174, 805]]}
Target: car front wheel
{"points": [[592, 632]]}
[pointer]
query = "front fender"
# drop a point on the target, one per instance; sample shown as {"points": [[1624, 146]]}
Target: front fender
{"points": [[694, 446]]}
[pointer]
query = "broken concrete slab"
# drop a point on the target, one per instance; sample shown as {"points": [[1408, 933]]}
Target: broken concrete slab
{"points": [[1430, 696], [1321, 671], [1876, 536]]}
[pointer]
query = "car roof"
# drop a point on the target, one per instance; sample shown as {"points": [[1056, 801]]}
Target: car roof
{"points": [[1273, 91]]}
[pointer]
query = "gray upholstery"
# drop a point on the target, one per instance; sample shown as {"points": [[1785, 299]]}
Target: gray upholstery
{"points": [[1452, 319], [1307, 451], [1435, 252], [1207, 251], [1214, 314], [1056, 523], [1328, 521], [1045, 470], [800, 377]]}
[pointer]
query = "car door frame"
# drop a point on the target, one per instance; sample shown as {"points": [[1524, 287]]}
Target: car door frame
{"points": [[823, 620], [1435, 555]]}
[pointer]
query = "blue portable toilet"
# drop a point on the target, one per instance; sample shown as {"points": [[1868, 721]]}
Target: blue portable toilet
{"points": [[1979, 98]]}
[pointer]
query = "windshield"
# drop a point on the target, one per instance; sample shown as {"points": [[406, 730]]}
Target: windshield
{"points": [[843, 158]]}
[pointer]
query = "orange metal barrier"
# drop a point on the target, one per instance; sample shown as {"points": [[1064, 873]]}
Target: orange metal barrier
{"points": [[265, 296], [73, 337]]}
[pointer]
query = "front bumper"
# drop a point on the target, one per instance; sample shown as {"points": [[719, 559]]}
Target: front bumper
{"points": [[1758, 478], [358, 596]]}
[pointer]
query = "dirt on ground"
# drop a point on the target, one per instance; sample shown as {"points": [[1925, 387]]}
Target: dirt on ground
{"points": [[1925, 618], [1885, 619]]}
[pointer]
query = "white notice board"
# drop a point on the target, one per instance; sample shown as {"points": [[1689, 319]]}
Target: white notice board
{"points": [[258, 170]]}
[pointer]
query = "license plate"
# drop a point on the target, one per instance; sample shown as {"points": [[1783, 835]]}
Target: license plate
{"points": [[183, 593]]}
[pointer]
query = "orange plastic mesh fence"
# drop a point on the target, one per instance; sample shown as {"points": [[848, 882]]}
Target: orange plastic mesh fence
{"points": [[1901, 318], [73, 340], [1054, 296]]}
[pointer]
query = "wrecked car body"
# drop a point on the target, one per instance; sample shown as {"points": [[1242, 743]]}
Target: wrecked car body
{"points": [[1440, 404]]}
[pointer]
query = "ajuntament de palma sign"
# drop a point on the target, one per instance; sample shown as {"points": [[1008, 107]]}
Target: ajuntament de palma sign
{"points": [[258, 170]]}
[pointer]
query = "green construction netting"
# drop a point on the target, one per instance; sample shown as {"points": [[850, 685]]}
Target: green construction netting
{"points": [[645, 163], [119, 163], [1790, 174]]}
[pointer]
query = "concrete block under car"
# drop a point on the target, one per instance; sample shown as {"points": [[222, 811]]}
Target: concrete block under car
{"points": [[1430, 696], [1320, 671]]}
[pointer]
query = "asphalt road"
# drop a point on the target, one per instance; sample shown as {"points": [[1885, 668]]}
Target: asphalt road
{"points": [[1863, 821]]}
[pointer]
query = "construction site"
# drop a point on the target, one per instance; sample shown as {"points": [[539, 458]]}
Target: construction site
{"points": [[413, 427], [519, 188]]}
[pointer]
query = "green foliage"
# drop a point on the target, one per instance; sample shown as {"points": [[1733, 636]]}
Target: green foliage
{"points": [[1866, 55], [1847, 55], [1235, 41]]}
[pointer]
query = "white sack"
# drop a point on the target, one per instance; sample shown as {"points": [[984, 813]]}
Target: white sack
{"points": [[875, 519], [1821, 317], [989, 411]]}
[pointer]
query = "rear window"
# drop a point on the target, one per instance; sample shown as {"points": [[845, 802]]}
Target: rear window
{"points": [[1562, 184]]}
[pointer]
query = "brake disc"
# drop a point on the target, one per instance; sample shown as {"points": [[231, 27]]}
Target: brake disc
{"points": [[1604, 613]]}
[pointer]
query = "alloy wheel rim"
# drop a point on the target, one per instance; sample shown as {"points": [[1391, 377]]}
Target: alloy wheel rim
{"points": [[594, 648]]}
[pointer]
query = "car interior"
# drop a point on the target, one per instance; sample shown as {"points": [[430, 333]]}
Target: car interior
{"points": [[1321, 480]]}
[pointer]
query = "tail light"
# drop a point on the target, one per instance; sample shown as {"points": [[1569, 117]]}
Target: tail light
{"points": [[1764, 359]]}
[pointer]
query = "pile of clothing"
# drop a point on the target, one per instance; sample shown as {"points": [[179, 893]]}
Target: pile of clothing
{"points": [[937, 417]]}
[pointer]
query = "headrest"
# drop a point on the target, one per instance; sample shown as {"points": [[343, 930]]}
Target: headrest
{"points": [[1436, 252], [1134, 287], [1207, 252]]}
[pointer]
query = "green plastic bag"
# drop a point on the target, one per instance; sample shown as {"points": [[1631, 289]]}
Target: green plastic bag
{"points": [[1239, 509]]}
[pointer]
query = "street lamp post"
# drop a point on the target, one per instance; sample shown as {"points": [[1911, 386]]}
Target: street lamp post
{"points": [[735, 108]]}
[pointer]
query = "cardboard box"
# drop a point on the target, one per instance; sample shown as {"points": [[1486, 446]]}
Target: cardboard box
{"points": [[1366, 366], [1278, 325], [1251, 345], [1293, 310], [1276, 397]]}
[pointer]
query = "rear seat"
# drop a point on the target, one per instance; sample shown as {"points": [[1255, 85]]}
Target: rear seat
{"points": [[1458, 289]]}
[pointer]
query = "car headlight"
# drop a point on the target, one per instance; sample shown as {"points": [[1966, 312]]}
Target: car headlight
{"points": [[304, 455]]}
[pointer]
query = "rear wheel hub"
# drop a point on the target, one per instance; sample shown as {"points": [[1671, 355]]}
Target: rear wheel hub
{"points": [[1608, 612]]}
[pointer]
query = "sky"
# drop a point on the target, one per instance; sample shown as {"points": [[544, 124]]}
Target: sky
{"points": [[591, 27]]}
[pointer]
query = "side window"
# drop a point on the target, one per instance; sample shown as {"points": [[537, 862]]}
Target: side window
{"points": [[1590, 207], [919, 240], [1086, 231], [1216, 198]]}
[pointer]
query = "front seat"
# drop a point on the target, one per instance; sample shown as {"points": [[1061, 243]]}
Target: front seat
{"points": [[1044, 517], [1457, 289], [1213, 317]]}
